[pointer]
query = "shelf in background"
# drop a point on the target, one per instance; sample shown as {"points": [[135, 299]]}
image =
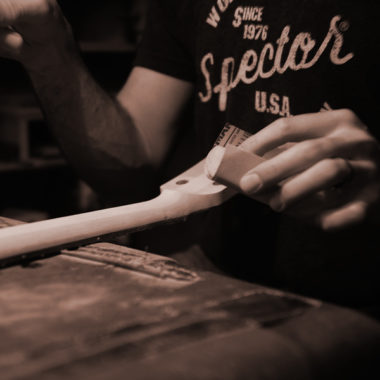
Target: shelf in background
{"points": [[17, 141], [32, 164]]}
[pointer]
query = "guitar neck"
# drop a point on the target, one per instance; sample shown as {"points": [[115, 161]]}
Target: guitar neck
{"points": [[66, 232]]}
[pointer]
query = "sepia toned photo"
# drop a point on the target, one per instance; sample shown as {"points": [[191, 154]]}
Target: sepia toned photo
{"points": [[189, 190]]}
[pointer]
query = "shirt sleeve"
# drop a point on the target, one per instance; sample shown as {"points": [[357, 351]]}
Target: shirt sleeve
{"points": [[165, 44]]}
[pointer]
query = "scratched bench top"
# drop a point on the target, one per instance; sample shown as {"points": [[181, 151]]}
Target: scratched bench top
{"points": [[110, 312]]}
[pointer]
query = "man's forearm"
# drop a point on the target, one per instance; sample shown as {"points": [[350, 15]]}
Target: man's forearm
{"points": [[95, 133]]}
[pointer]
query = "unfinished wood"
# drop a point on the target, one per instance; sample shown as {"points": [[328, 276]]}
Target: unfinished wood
{"points": [[190, 192]]}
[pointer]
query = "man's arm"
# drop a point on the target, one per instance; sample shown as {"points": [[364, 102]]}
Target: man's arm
{"points": [[115, 144]]}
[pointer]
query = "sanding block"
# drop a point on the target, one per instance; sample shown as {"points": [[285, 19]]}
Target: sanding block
{"points": [[227, 165]]}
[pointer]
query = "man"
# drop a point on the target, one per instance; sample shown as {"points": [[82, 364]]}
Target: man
{"points": [[267, 67]]}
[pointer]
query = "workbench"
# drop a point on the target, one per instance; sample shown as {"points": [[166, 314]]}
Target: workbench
{"points": [[105, 311]]}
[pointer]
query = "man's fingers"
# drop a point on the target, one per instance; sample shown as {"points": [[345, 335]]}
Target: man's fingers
{"points": [[12, 11], [9, 11], [299, 128], [327, 184], [288, 163], [324, 167], [11, 43], [350, 214], [323, 175]]}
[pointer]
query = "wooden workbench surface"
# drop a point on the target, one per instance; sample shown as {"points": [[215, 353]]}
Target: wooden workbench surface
{"points": [[110, 312]]}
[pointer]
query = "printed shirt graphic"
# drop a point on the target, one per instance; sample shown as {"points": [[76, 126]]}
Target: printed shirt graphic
{"points": [[255, 61], [269, 58]]}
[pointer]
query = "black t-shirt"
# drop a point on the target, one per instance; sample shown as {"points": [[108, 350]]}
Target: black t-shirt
{"points": [[252, 62]]}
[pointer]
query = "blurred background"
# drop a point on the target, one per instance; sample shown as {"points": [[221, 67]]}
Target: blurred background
{"points": [[35, 181]]}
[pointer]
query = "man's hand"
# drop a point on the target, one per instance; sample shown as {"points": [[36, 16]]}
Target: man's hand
{"points": [[31, 31], [327, 170]]}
